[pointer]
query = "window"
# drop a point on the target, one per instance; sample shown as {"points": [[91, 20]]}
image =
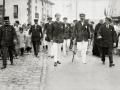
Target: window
{"points": [[36, 1], [35, 9], [15, 8], [15, 11]]}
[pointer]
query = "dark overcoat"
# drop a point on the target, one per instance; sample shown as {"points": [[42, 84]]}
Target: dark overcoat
{"points": [[36, 33], [108, 36], [82, 31], [48, 29], [67, 32], [58, 31], [7, 35]]}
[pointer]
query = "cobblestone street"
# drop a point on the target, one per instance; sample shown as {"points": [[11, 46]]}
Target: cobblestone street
{"points": [[24, 75]]}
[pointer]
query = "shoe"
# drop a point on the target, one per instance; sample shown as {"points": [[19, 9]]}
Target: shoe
{"points": [[58, 62], [84, 63], [17, 57], [12, 63], [37, 56], [55, 64], [3, 67], [111, 65], [103, 63]]}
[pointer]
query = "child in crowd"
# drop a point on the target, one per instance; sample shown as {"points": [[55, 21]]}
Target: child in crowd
{"points": [[21, 38], [28, 40], [44, 41]]}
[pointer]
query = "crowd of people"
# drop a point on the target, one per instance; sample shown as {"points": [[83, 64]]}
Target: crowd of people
{"points": [[57, 36]]}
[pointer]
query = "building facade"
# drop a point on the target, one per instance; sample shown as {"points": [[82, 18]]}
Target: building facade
{"points": [[26, 10]]}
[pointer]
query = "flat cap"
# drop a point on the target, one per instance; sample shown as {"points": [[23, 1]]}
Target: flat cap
{"points": [[82, 14], [17, 22], [75, 20], [108, 18], [49, 18], [65, 18]]}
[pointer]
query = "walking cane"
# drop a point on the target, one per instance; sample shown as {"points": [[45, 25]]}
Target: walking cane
{"points": [[73, 50]]}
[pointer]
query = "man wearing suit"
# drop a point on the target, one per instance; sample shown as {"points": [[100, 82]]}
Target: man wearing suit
{"points": [[57, 37], [36, 32], [82, 36], [48, 30], [108, 40], [8, 37], [67, 36]]}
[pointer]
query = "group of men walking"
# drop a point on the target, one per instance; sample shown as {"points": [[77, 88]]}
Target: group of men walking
{"points": [[59, 34]]}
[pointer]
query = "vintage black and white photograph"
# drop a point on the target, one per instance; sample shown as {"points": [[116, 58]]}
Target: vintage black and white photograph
{"points": [[59, 44]]}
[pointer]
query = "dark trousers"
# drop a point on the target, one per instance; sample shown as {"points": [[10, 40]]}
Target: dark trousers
{"points": [[28, 49], [109, 51], [22, 51], [14, 51], [5, 51], [36, 47]]}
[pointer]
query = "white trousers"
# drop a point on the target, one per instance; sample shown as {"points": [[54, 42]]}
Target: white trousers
{"points": [[66, 45], [57, 51], [82, 47], [50, 48]]}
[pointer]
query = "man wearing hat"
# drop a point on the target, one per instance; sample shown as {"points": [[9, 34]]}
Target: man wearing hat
{"points": [[108, 40], [37, 34], [67, 36], [8, 37], [82, 37], [48, 30], [57, 37]]}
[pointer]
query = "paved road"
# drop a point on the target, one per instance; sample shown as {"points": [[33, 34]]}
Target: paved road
{"points": [[24, 75], [78, 76]]}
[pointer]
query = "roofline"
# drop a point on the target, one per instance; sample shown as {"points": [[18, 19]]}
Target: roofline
{"points": [[47, 1]]}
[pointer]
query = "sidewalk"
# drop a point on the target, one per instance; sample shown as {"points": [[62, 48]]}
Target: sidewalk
{"points": [[25, 74], [78, 76]]}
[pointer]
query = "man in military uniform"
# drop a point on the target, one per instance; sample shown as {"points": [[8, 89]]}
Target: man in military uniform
{"points": [[67, 36], [36, 31], [108, 40], [82, 36], [8, 37], [48, 30], [57, 37]]}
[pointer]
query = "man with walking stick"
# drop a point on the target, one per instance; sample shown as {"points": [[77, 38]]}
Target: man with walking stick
{"points": [[82, 36]]}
